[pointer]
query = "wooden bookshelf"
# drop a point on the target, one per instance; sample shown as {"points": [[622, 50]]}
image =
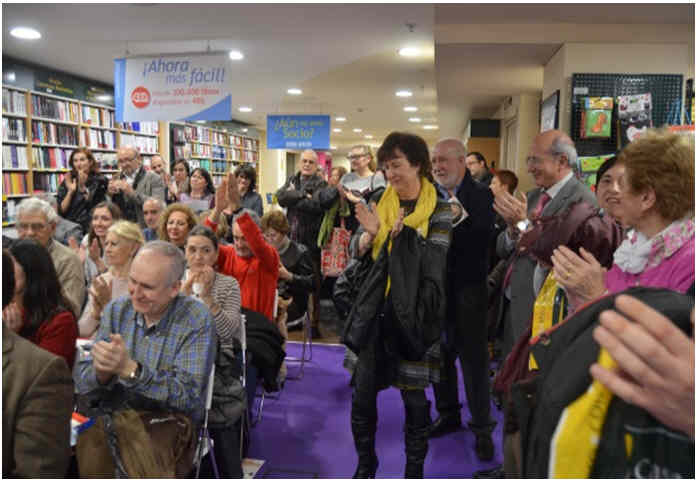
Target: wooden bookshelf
{"points": [[218, 151], [51, 127]]}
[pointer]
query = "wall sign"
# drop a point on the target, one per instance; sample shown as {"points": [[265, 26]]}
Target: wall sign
{"points": [[297, 132], [173, 87]]}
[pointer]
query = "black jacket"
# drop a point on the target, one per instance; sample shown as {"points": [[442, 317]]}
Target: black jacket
{"points": [[468, 257], [564, 355], [81, 206], [296, 259], [304, 210], [265, 343], [416, 310]]}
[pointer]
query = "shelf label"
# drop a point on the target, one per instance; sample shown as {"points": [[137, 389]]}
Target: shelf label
{"points": [[297, 132], [173, 87]]}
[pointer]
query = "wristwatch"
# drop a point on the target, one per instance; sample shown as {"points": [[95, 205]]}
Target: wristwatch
{"points": [[523, 225], [135, 373]]}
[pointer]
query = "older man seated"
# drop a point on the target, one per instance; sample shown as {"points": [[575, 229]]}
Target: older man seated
{"points": [[154, 353], [36, 219]]}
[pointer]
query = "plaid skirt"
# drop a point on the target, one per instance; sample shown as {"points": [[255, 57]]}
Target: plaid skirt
{"points": [[406, 375]]}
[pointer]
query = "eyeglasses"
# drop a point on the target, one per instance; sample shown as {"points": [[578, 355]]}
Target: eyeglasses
{"points": [[356, 157], [36, 227]]}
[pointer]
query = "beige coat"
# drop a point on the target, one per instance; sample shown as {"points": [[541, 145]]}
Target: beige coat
{"points": [[37, 403]]}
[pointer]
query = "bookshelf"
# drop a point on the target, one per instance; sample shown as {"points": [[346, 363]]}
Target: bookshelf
{"points": [[40, 131], [218, 151]]}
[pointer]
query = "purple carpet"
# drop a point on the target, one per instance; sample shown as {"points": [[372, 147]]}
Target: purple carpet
{"points": [[306, 432]]}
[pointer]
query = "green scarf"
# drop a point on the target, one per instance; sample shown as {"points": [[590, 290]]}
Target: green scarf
{"points": [[325, 230]]}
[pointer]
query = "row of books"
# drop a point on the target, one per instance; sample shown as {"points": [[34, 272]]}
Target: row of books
{"points": [[244, 156], [182, 152], [14, 183], [14, 129], [51, 157], [151, 128], [45, 132], [9, 210], [206, 164], [219, 166], [14, 102], [57, 109], [14, 156], [47, 182], [99, 138], [200, 150], [97, 116], [143, 144]]}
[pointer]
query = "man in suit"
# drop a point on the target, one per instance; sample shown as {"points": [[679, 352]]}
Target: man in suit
{"points": [[476, 164], [466, 332], [133, 185], [65, 229], [37, 402], [551, 160]]}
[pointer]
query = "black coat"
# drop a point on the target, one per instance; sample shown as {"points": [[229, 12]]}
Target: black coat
{"points": [[296, 259], [468, 257], [416, 303], [81, 206], [265, 343], [304, 210]]}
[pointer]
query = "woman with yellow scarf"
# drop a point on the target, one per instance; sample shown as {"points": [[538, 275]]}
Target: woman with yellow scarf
{"points": [[393, 331]]}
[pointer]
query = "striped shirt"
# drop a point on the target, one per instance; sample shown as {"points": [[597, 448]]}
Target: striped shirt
{"points": [[176, 354], [226, 293]]}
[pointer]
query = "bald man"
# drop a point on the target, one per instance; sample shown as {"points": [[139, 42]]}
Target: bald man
{"points": [[550, 161], [466, 329], [133, 185], [300, 195]]}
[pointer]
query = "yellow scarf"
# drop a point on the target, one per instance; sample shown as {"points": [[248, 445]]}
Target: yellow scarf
{"points": [[388, 211]]}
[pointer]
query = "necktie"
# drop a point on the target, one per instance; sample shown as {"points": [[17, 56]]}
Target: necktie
{"points": [[544, 200]]}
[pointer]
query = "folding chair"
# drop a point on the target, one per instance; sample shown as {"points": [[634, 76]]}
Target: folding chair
{"points": [[205, 442], [307, 343]]}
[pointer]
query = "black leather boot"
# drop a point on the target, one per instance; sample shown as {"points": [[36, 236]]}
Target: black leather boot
{"points": [[363, 425], [416, 433]]}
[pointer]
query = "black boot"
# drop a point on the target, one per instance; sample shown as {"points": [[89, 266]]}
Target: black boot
{"points": [[363, 426], [416, 432]]}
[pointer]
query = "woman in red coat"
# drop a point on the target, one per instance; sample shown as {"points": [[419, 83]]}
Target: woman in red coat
{"points": [[39, 312]]}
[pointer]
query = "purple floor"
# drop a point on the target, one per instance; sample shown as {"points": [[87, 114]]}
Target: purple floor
{"points": [[306, 432]]}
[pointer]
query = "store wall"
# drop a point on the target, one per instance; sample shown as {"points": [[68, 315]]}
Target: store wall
{"points": [[676, 58], [272, 169], [489, 147]]}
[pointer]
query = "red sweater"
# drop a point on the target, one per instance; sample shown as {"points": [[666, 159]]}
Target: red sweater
{"points": [[258, 274], [58, 336]]}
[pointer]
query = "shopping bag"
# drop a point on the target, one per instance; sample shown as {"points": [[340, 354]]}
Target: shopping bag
{"points": [[335, 253]]}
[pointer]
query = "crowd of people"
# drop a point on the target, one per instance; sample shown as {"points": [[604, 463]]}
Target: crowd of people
{"points": [[447, 260]]}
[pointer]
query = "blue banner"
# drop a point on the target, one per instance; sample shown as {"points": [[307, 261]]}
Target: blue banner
{"points": [[297, 132]]}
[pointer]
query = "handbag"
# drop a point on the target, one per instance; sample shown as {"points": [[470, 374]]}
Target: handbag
{"points": [[335, 253]]}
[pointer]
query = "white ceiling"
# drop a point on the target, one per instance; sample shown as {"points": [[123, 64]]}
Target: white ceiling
{"points": [[343, 57]]}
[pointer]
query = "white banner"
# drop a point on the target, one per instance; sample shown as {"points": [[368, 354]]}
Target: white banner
{"points": [[173, 87]]}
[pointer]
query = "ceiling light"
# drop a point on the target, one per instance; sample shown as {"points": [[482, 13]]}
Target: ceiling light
{"points": [[430, 127], [403, 93], [337, 130], [411, 109], [332, 147], [245, 109], [368, 136], [408, 51], [236, 55], [10, 77], [340, 119], [358, 130], [200, 121], [104, 98], [245, 130], [25, 33], [415, 119], [294, 91]]}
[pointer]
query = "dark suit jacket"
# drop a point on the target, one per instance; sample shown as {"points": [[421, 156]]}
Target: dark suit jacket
{"points": [[37, 403], [521, 282], [468, 256]]}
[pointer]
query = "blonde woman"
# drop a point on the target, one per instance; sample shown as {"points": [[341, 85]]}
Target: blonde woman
{"points": [[122, 241]]}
